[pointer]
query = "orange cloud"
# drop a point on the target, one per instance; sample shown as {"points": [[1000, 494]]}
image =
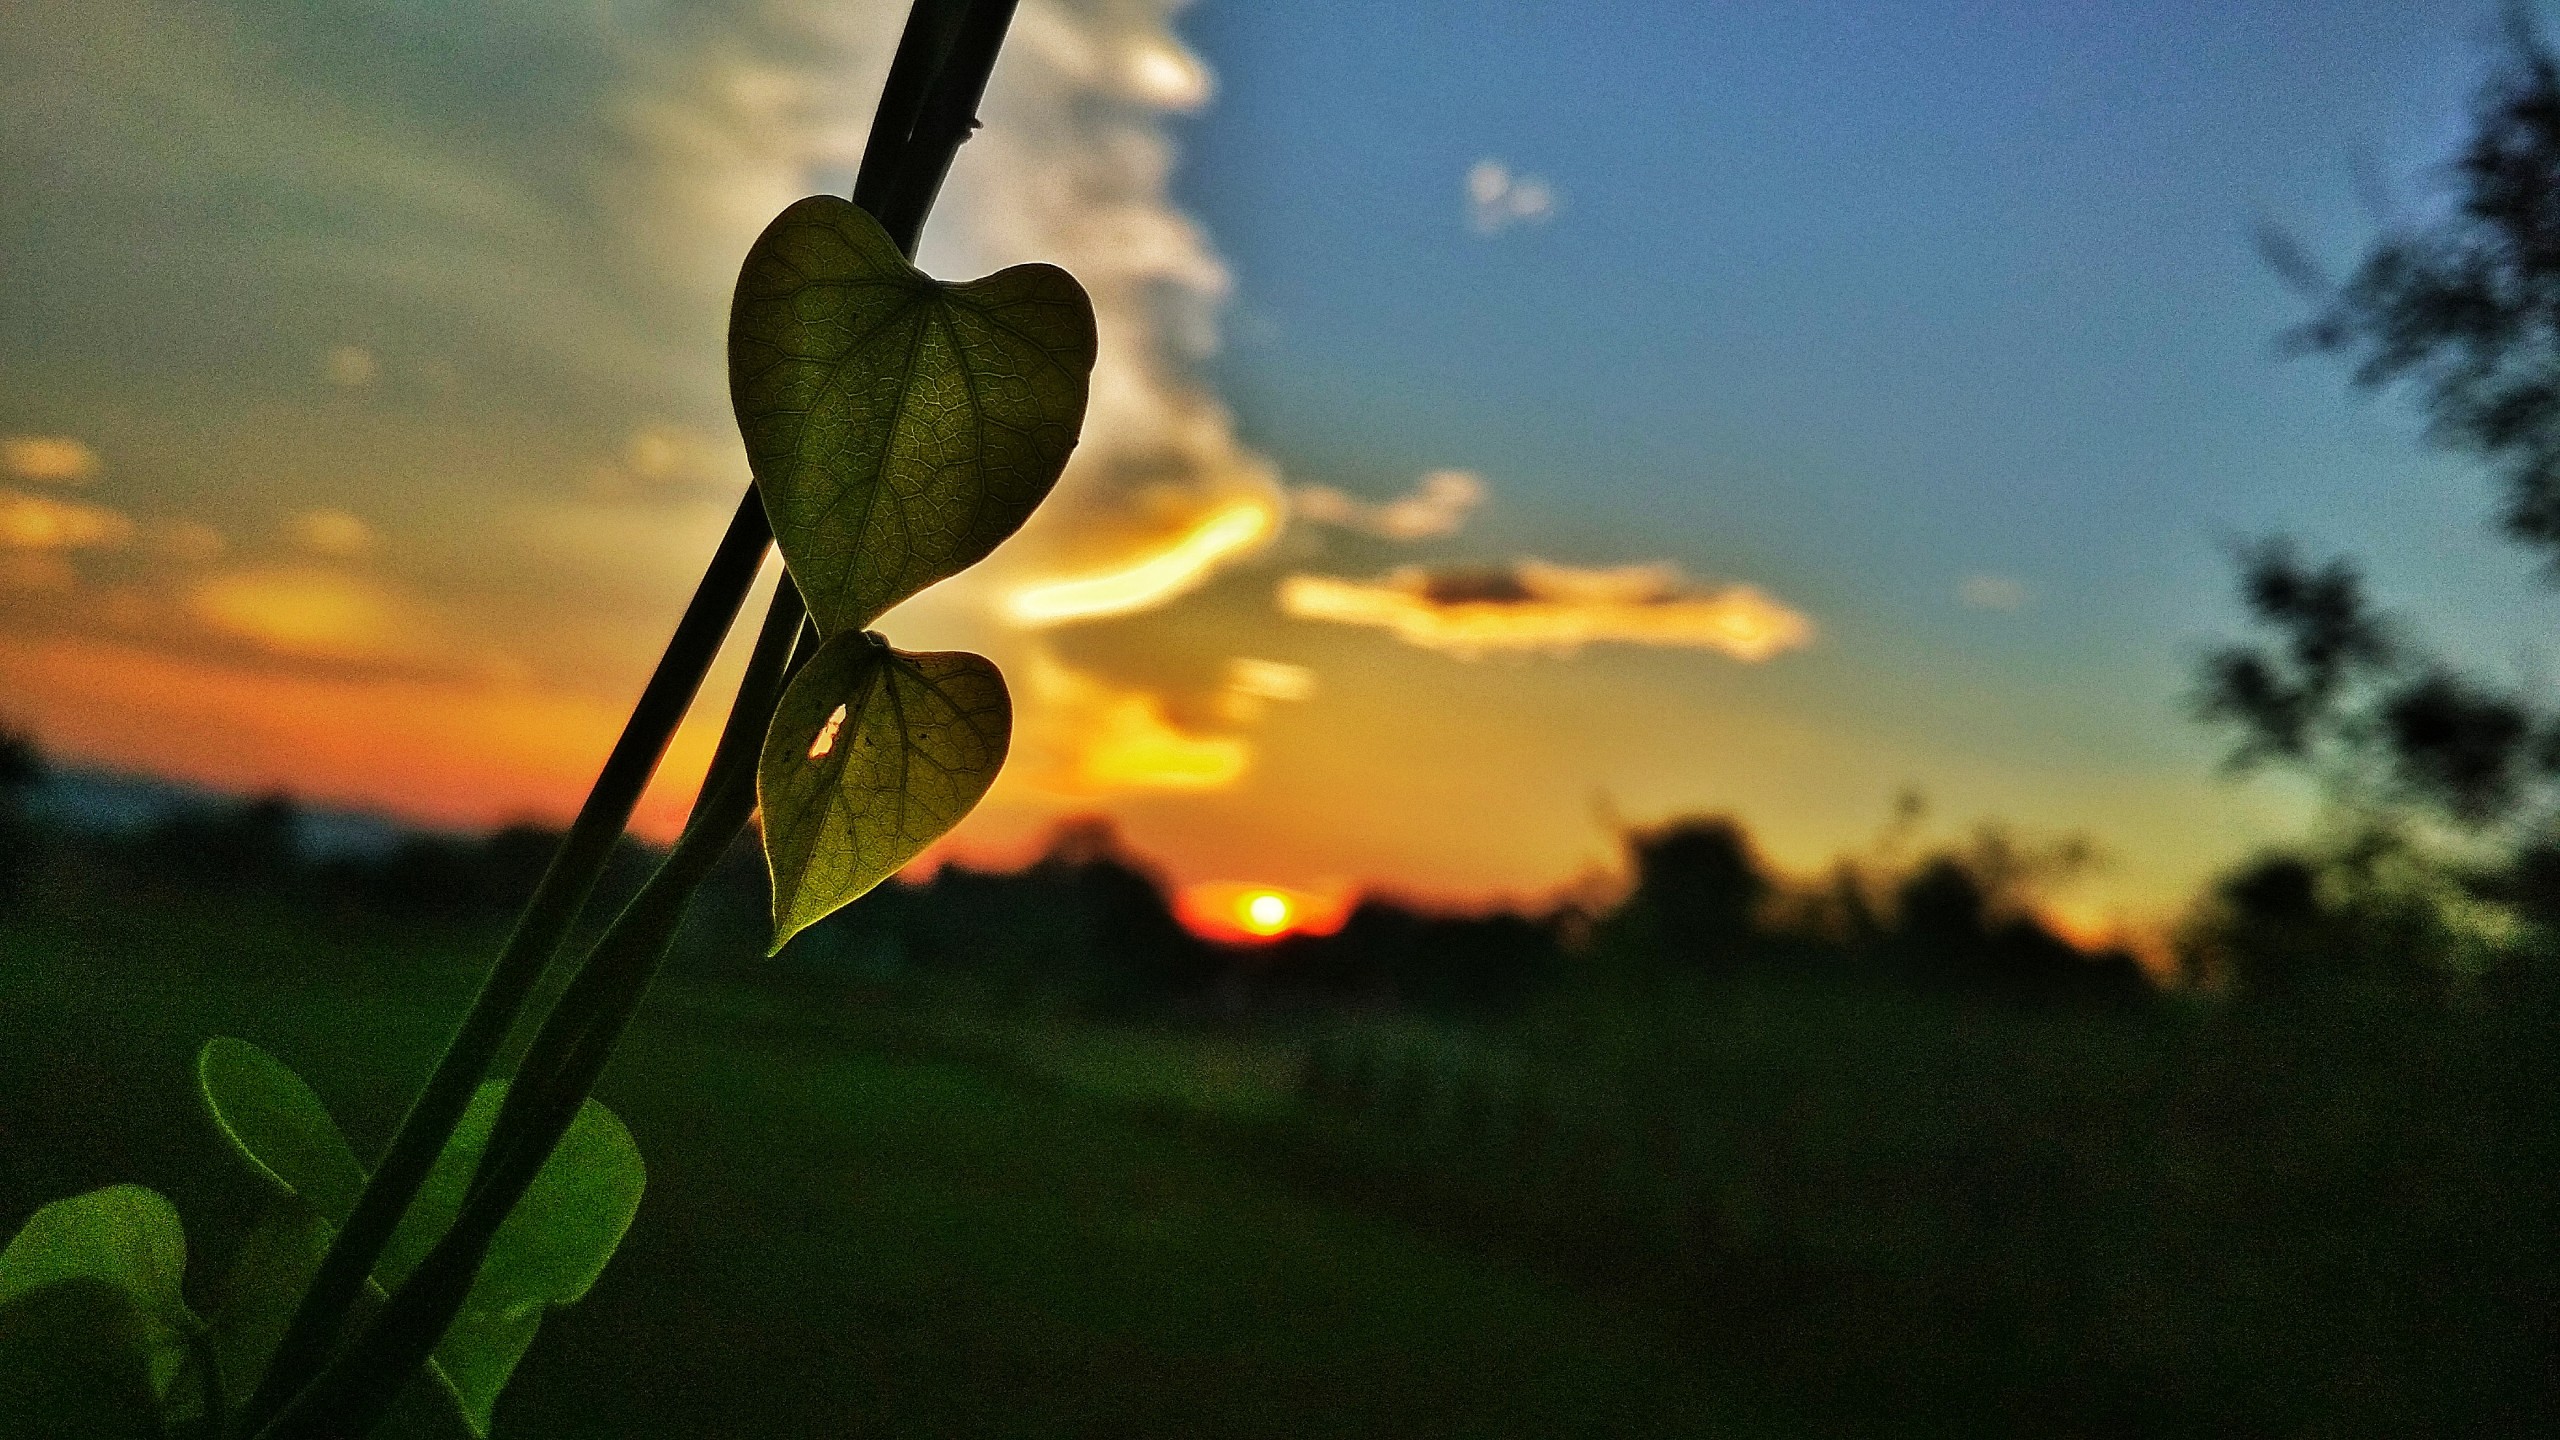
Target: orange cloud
{"points": [[1438, 505], [36, 570], [437, 752], [1532, 605], [1253, 685], [316, 614], [1093, 738], [40, 522], [49, 460], [1152, 580]]}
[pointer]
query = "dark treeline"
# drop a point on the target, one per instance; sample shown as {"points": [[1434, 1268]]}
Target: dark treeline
{"points": [[1091, 923]]}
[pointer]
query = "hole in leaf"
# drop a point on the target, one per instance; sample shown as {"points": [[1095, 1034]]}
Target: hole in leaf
{"points": [[826, 740]]}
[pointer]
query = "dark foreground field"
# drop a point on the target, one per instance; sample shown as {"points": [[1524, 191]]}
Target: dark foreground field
{"points": [[870, 1215], [845, 1234]]}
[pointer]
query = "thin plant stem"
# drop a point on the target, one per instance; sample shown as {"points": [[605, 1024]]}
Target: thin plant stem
{"points": [[597, 989], [943, 121], [545, 922], [352, 1393], [356, 1390], [585, 850]]}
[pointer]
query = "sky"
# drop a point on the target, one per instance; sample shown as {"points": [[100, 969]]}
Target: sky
{"points": [[1513, 422]]}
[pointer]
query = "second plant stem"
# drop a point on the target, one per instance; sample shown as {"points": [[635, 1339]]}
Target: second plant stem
{"points": [[929, 104]]}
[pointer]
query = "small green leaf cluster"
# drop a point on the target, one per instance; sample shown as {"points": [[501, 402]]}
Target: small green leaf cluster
{"points": [[899, 428], [97, 1336]]}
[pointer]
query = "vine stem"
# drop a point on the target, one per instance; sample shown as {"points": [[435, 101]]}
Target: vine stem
{"points": [[545, 922], [352, 1394], [930, 102]]}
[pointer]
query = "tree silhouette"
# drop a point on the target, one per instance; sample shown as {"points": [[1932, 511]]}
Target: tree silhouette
{"points": [[2465, 311], [1701, 887], [21, 768]]}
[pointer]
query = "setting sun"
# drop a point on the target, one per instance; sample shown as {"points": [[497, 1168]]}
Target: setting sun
{"points": [[1239, 914], [1264, 913]]}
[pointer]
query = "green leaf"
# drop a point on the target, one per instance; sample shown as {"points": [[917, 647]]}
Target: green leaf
{"points": [[548, 1251], [124, 1236], [873, 755], [76, 1360], [279, 1127], [899, 427]]}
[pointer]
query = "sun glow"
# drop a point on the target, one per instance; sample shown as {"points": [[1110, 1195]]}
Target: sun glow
{"points": [[1264, 914], [1239, 914], [1149, 582]]}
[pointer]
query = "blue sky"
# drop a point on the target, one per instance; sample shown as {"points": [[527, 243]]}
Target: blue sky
{"points": [[391, 332]]}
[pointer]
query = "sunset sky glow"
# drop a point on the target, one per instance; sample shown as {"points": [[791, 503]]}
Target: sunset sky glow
{"points": [[1860, 399]]}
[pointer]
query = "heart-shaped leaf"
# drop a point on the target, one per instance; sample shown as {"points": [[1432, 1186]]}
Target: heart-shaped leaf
{"points": [[899, 427], [123, 1236], [279, 1126], [548, 1251], [873, 755]]}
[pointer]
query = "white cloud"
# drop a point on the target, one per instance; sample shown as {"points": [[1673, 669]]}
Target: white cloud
{"points": [[1150, 579], [1438, 504], [1498, 198], [1073, 167], [1535, 606]]}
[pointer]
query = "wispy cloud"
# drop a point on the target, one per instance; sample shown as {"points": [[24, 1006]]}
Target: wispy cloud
{"points": [[566, 252], [1254, 685], [49, 460], [1151, 578], [1074, 167], [299, 611], [335, 534], [1438, 504], [1499, 198], [1535, 606], [1991, 592], [350, 366], [41, 522], [1088, 736]]}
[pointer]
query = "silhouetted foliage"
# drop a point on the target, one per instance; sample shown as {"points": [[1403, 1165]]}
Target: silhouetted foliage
{"points": [[21, 769], [2332, 692], [2369, 912], [1086, 920], [1949, 931], [255, 842], [2285, 702], [1440, 964], [2467, 309], [454, 876], [1700, 888], [2278, 935]]}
